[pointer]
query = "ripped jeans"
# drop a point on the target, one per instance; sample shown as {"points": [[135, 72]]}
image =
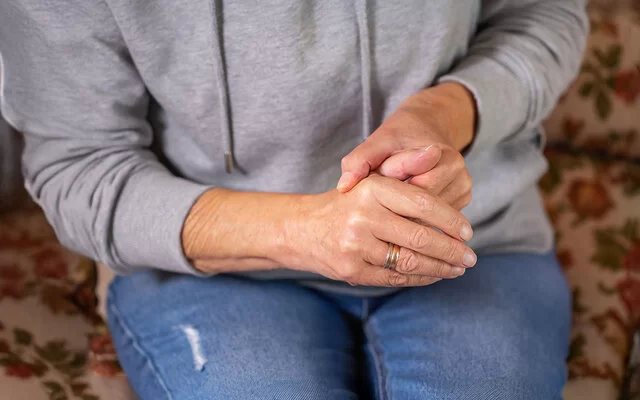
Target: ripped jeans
{"points": [[500, 331]]}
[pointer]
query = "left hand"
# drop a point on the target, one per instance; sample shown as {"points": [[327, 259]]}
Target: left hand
{"points": [[421, 142]]}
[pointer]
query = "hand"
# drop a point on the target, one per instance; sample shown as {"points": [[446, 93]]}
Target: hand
{"points": [[346, 236], [421, 142]]}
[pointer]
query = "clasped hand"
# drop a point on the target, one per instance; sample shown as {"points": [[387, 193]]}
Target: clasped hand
{"points": [[405, 180]]}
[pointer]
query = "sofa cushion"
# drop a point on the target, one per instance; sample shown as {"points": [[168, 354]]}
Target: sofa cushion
{"points": [[595, 208], [601, 109], [47, 315]]}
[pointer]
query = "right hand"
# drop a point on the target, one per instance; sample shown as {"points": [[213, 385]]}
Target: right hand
{"points": [[346, 236], [440, 170]]}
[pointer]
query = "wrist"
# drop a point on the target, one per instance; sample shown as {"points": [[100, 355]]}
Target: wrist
{"points": [[455, 103], [296, 230], [226, 224]]}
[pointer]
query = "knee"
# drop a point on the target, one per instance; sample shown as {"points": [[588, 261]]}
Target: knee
{"points": [[526, 364], [519, 357]]}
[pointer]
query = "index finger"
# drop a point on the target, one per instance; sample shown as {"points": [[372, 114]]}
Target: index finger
{"points": [[413, 202]]}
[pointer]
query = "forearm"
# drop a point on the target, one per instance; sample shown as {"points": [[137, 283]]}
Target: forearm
{"points": [[455, 107], [231, 231]]}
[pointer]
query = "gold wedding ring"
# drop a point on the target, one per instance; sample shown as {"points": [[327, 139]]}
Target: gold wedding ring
{"points": [[393, 254]]}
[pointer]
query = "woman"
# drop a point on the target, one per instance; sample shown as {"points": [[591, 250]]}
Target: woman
{"points": [[194, 147]]}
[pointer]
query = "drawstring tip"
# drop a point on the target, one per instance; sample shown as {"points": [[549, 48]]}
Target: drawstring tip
{"points": [[228, 162]]}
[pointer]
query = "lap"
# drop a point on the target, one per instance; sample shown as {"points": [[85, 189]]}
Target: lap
{"points": [[182, 337], [499, 331]]}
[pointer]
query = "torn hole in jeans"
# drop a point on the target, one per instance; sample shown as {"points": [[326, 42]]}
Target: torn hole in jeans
{"points": [[193, 337]]}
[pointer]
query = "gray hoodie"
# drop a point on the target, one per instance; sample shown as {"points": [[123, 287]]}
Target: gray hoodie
{"points": [[132, 109]]}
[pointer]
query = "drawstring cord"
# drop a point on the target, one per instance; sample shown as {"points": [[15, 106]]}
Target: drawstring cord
{"points": [[365, 66], [223, 87]]}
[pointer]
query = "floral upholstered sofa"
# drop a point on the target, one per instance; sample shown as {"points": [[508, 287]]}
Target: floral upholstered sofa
{"points": [[54, 345], [592, 193]]}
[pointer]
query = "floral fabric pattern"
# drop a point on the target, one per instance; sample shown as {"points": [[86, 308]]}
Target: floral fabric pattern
{"points": [[595, 207], [601, 110], [68, 366], [53, 344]]}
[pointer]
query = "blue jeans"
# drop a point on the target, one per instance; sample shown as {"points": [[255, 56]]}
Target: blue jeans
{"points": [[500, 331]]}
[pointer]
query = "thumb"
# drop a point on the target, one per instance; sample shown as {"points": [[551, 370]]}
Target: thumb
{"points": [[410, 163], [362, 160]]}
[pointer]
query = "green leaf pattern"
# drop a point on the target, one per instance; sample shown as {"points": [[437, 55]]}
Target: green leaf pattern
{"points": [[22, 337], [609, 251], [613, 244], [600, 78], [64, 369]]}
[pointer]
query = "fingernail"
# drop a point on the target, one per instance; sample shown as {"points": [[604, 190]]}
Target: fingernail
{"points": [[457, 271], [344, 181], [466, 233], [469, 259]]}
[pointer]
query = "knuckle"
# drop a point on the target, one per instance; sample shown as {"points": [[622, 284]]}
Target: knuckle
{"points": [[419, 238], [459, 160], [426, 182], [457, 168], [346, 161], [367, 189], [349, 272], [408, 261], [354, 221], [397, 279], [441, 269], [430, 185], [450, 251], [348, 244], [372, 181], [427, 280], [466, 200], [468, 183], [350, 238], [425, 202], [453, 222]]}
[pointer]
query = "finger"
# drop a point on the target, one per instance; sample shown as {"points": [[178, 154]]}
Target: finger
{"points": [[410, 262], [363, 159], [450, 166], [423, 240], [433, 181], [408, 163], [459, 188], [461, 202], [375, 276], [413, 202]]}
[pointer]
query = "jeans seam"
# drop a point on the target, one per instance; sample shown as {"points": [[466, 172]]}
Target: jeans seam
{"points": [[139, 348], [377, 354]]}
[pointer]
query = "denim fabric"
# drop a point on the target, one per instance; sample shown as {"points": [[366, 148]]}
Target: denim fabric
{"points": [[501, 331]]}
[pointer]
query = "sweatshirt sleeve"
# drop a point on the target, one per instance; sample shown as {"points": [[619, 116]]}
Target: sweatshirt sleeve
{"points": [[70, 86], [523, 56]]}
